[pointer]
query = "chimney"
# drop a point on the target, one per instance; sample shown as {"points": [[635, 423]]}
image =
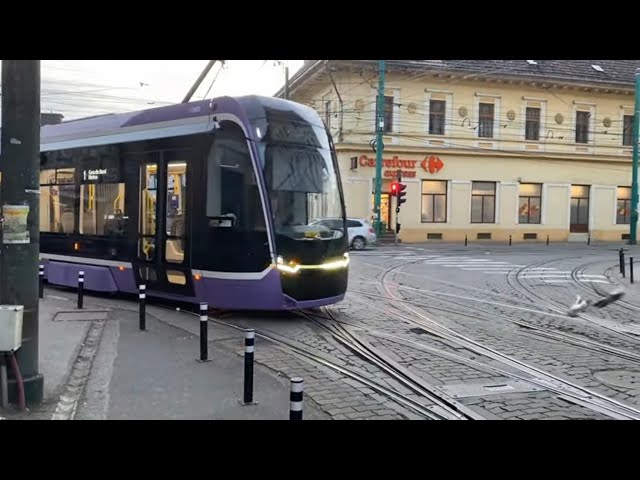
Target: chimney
{"points": [[50, 118]]}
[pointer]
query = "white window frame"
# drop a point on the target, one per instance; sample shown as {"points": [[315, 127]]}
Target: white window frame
{"points": [[496, 115], [584, 107]]}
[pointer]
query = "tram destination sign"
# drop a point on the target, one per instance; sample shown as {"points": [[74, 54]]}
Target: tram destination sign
{"points": [[100, 175]]}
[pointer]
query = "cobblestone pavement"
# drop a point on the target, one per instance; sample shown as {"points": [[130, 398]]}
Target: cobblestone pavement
{"points": [[512, 300], [492, 296]]}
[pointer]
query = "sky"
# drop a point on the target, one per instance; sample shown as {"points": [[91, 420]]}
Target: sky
{"points": [[81, 88]]}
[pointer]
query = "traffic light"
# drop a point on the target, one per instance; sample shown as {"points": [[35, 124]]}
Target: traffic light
{"points": [[400, 192], [394, 189]]}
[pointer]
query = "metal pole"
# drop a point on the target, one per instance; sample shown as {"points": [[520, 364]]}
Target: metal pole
{"points": [[379, 145], [547, 239], [142, 296], [634, 170], [249, 345], [204, 334], [80, 289], [198, 81], [4, 385], [296, 397], [621, 258], [509, 240], [624, 267], [286, 82], [20, 168], [41, 281], [631, 269], [465, 240]]}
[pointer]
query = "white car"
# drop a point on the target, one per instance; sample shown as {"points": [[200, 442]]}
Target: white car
{"points": [[361, 233]]}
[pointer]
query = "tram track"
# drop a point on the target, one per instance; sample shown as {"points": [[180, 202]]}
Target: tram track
{"points": [[550, 381]]}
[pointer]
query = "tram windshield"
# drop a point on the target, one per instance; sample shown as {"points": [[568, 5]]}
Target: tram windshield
{"points": [[303, 185]]}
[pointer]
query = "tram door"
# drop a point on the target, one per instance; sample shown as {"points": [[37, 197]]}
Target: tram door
{"points": [[164, 255]]}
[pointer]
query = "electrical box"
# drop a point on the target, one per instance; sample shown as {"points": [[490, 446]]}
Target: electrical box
{"points": [[10, 327]]}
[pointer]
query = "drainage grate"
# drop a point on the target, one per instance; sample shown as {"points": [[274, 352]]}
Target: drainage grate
{"points": [[483, 236], [434, 236], [462, 390], [88, 316], [530, 236]]}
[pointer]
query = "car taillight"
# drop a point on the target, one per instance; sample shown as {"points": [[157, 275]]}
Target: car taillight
{"points": [[371, 230]]}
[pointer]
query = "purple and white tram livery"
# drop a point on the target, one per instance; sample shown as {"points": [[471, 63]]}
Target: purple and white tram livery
{"points": [[203, 201]]}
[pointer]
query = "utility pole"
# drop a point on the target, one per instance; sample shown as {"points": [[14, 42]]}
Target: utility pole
{"points": [[634, 173], [379, 145], [20, 168]]}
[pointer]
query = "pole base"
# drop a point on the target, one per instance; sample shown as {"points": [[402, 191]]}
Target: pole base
{"points": [[33, 389], [241, 402], [203, 361]]}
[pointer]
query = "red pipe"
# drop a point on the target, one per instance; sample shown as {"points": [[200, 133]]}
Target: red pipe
{"points": [[16, 373]]}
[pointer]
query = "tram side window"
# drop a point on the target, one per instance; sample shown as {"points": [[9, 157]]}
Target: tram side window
{"points": [[102, 207], [232, 191], [236, 224], [57, 200]]}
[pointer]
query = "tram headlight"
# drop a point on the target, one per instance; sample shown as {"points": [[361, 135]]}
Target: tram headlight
{"points": [[292, 267]]}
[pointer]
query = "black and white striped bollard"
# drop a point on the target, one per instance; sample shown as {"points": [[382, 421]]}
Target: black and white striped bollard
{"points": [[142, 296], [41, 281], [80, 289], [249, 346], [297, 389], [204, 334]]}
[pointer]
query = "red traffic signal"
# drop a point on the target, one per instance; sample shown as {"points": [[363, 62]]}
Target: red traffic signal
{"points": [[394, 189]]}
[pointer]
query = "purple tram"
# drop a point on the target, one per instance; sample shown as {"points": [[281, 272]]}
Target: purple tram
{"points": [[212, 201]]}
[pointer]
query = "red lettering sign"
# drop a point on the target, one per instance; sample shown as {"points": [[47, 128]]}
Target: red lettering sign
{"points": [[431, 164]]}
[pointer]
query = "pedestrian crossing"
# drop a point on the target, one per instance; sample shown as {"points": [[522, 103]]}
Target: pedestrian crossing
{"points": [[485, 266]]}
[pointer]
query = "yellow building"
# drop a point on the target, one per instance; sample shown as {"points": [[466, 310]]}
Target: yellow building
{"points": [[487, 149]]}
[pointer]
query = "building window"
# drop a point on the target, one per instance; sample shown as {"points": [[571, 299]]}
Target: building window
{"points": [[532, 128], [483, 202], [623, 207], [436, 117], [57, 200], [388, 114], [582, 127], [530, 201], [434, 201], [627, 131], [485, 125]]}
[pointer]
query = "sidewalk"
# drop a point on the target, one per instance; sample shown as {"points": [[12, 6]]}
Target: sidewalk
{"points": [[98, 365]]}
